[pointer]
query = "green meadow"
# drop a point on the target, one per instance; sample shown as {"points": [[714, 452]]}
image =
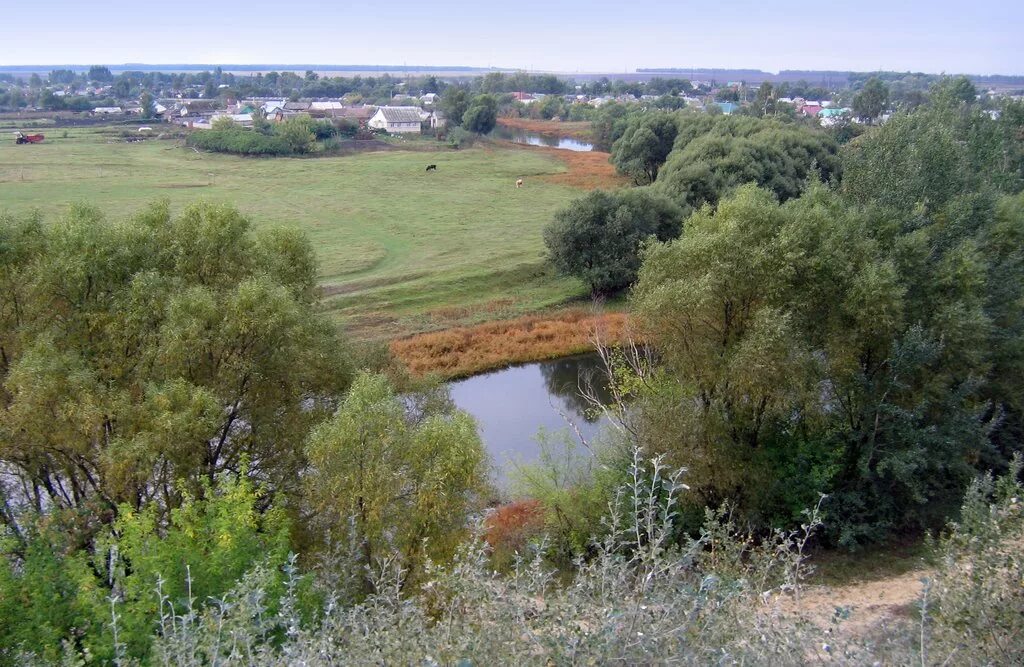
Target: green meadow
{"points": [[401, 250]]}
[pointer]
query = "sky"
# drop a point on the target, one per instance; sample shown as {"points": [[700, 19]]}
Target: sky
{"points": [[936, 36]]}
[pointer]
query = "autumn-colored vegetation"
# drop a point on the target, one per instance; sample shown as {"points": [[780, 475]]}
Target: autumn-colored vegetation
{"points": [[509, 528], [588, 170], [463, 351]]}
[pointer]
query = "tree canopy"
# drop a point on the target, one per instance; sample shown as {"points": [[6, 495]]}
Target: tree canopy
{"points": [[713, 154], [481, 115], [140, 357], [645, 145], [598, 237], [865, 343], [870, 101]]}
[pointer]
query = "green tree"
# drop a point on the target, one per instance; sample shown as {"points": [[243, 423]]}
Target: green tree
{"points": [[454, 103], [297, 132], [146, 102], [403, 478], [714, 154], [100, 74], [141, 357], [482, 114], [953, 91], [870, 100], [610, 124], [856, 343], [645, 145], [765, 100], [598, 237]]}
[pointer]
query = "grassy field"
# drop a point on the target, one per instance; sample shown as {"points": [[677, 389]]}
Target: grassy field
{"points": [[401, 250]]}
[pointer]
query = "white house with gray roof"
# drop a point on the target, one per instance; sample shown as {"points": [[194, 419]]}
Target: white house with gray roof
{"points": [[398, 120]]}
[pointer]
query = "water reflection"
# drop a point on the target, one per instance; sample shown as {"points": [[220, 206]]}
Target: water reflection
{"points": [[512, 404], [570, 377], [553, 141]]}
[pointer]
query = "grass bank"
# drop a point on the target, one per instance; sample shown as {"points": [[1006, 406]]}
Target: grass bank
{"points": [[464, 351]]}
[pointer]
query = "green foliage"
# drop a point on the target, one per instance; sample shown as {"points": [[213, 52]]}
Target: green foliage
{"points": [[713, 154], [870, 101], [978, 598], [454, 103], [54, 596], [610, 124], [99, 74], [147, 103], [459, 137], [141, 357], [645, 145], [224, 138], [929, 158], [813, 346], [298, 133], [482, 114], [406, 477], [598, 237]]}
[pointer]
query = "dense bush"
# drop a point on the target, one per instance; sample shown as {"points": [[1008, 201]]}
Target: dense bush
{"points": [[641, 598], [142, 357], [481, 115], [54, 596], [713, 154], [645, 145], [240, 141], [598, 237], [865, 343]]}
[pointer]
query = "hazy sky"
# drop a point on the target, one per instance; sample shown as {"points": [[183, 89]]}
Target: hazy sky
{"points": [[981, 36]]}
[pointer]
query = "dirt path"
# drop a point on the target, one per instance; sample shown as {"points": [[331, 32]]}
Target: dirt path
{"points": [[865, 607]]}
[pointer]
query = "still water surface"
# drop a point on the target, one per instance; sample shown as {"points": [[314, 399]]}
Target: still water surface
{"points": [[523, 137], [512, 404]]}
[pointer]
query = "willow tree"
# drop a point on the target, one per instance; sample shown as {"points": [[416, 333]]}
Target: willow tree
{"points": [[398, 475], [813, 346], [139, 357]]}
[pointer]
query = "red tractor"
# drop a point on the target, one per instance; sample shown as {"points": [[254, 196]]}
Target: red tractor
{"points": [[22, 138]]}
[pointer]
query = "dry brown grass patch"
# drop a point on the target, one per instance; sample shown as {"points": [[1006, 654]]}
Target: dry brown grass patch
{"points": [[463, 351]]}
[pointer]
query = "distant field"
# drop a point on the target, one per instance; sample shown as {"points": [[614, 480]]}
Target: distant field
{"points": [[401, 250]]}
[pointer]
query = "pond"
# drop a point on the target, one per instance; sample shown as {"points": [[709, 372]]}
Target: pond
{"points": [[533, 139], [511, 405]]}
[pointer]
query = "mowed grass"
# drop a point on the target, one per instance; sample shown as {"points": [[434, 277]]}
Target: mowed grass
{"points": [[401, 250]]}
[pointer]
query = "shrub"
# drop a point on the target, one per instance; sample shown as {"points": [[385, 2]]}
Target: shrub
{"points": [[978, 593], [459, 137], [240, 141], [598, 237]]}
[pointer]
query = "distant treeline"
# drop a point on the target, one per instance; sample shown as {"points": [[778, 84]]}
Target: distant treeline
{"points": [[817, 76]]}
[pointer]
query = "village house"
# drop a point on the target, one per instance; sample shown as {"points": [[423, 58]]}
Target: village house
{"points": [[360, 114], [106, 110], [325, 107], [438, 120], [398, 120]]}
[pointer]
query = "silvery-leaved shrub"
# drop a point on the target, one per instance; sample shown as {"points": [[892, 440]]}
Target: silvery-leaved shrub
{"points": [[642, 597]]}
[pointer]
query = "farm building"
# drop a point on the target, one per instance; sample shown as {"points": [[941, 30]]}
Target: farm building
{"points": [[398, 120], [107, 110]]}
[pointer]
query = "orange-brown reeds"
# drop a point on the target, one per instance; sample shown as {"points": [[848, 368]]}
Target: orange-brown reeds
{"points": [[463, 351], [509, 528]]}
